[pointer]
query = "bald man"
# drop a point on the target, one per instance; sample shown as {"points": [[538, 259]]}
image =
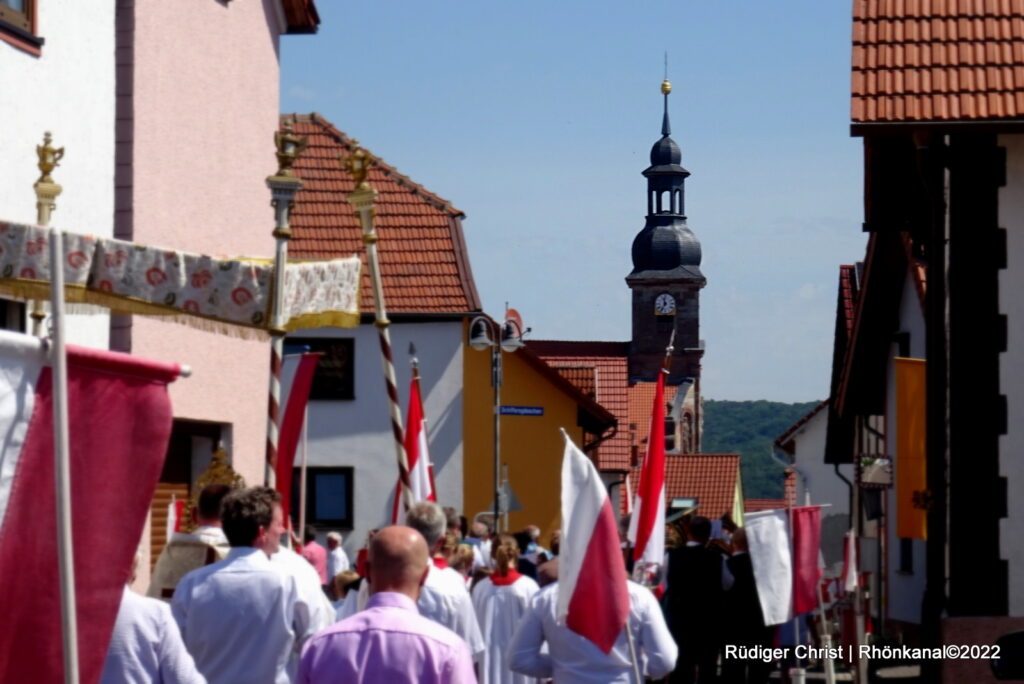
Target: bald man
{"points": [[390, 641]]}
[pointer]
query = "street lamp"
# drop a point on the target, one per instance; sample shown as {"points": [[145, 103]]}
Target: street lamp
{"points": [[486, 333]]}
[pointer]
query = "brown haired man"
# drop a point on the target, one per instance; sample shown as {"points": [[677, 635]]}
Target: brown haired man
{"points": [[242, 618]]}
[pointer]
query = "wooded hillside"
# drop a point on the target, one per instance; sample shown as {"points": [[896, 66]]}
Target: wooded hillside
{"points": [[749, 428]]}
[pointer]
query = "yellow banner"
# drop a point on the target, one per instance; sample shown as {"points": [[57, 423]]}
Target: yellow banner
{"points": [[911, 472]]}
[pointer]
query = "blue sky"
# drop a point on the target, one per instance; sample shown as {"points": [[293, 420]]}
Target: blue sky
{"points": [[536, 119]]}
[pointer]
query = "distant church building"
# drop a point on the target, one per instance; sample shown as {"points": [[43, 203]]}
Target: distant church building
{"points": [[666, 281]]}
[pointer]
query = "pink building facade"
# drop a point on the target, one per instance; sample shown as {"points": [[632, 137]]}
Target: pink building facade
{"points": [[197, 107]]}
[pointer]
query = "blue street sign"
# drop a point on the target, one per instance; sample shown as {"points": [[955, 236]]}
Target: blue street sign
{"points": [[522, 410]]}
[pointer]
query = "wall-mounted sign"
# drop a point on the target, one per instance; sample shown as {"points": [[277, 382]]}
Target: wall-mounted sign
{"points": [[522, 410]]}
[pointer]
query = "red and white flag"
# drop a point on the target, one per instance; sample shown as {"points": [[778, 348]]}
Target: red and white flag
{"points": [[291, 427], [119, 425], [593, 599], [806, 557], [174, 511], [647, 524], [421, 477]]}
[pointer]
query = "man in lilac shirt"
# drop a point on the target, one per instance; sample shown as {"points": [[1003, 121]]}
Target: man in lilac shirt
{"points": [[390, 641]]}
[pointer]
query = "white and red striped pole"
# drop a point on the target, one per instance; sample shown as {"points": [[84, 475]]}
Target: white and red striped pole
{"points": [[283, 187], [362, 199]]}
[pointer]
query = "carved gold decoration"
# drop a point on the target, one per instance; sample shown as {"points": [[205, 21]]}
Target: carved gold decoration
{"points": [[358, 164], [49, 158], [666, 87], [289, 147], [218, 472]]}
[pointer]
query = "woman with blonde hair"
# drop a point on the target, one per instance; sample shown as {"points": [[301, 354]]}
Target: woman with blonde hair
{"points": [[500, 600]]}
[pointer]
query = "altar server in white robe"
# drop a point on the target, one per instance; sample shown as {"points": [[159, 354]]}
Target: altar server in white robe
{"points": [[500, 602], [242, 618]]}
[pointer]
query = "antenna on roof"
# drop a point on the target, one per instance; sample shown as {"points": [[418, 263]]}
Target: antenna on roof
{"points": [[666, 65]]}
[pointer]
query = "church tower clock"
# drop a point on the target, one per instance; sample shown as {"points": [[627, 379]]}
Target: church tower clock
{"points": [[666, 278]]}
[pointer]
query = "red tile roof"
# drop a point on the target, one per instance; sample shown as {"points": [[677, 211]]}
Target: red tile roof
{"points": [[583, 377], [755, 505], [611, 382], [641, 402], [709, 477], [423, 258], [937, 60]]}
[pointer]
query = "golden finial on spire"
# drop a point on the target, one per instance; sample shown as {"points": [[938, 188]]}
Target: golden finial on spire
{"points": [[49, 158], [289, 147], [666, 87], [357, 164]]}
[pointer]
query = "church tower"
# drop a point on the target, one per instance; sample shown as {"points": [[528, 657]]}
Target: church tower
{"points": [[666, 279]]}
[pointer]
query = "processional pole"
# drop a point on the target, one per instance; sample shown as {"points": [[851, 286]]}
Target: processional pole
{"points": [[362, 199], [46, 194], [46, 201], [283, 187]]}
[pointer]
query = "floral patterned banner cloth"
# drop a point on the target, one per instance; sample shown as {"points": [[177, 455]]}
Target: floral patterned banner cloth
{"points": [[192, 288]]}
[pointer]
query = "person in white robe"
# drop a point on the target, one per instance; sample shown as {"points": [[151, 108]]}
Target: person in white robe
{"points": [[186, 551], [241, 619], [337, 559], [146, 645], [500, 601]]}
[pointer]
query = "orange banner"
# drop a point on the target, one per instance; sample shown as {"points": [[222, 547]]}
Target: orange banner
{"points": [[911, 472]]}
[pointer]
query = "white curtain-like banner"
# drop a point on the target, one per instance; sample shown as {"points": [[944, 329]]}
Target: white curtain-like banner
{"points": [[218, 293], [772, 559]]}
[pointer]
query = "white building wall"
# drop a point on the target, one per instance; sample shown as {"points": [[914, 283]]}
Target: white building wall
{"points": [[357, 432], [906, 589], [1011, 370], [68, 90], [818, 478]]}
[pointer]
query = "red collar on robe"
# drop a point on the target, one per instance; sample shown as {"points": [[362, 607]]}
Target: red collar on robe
{"points": [[440, 563], [505, 580]]}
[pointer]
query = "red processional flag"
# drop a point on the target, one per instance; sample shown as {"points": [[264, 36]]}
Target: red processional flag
{"points": [[806, 550], [291, 426], [647, 523], [119, 421], [593, 598], [421, 473]]}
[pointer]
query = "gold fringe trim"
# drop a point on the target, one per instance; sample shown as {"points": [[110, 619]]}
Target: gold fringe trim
{"points": [[324, 319], [82, 300]]}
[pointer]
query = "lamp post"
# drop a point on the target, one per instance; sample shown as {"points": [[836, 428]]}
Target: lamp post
{"points": [[486, 333]]}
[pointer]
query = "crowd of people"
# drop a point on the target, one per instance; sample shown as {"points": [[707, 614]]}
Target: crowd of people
{"points": [[432, 600]]}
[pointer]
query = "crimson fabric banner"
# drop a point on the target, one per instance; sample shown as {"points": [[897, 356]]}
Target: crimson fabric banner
{"points": [[806, 549], [291, 427], [119, 426]]}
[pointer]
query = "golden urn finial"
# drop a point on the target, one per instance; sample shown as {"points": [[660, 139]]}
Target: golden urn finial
{"points": [[357, 164], [666, 87], [289, 147], [49, 158]]}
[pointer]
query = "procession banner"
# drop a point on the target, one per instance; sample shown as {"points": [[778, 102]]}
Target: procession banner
{"points": [[120, 423], [911, 474], [770, 556], [593, 599]]}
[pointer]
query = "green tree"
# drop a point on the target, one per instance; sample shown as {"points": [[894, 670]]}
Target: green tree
{"points": [[749, 428]]}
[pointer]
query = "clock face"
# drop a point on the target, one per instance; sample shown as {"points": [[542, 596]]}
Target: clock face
{"points": [[665, 304]]}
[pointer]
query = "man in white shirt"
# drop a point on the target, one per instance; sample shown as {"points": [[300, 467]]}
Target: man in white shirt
{"points": [[443, 598], [187, 551], [242, 618], [337, 559], [146, 645], [574, 658]]}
